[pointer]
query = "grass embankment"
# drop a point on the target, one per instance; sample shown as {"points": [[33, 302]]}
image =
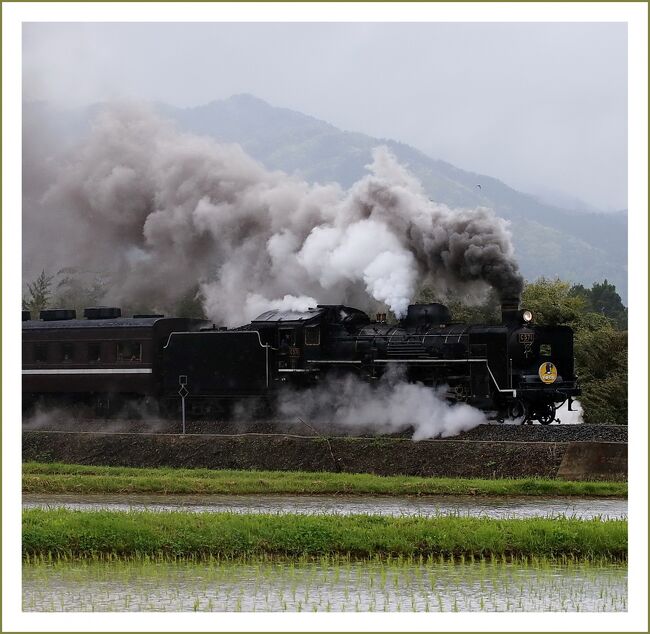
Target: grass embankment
{"points": [[61, 478], [65, 534]]}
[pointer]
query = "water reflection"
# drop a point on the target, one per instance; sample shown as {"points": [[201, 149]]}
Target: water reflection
{"points": [[496, 507], [323, 586]]}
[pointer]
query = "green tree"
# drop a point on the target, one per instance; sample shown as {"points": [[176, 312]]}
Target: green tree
{"points": [[552, 303], [39, 293], [602, 298], [601, 362]]}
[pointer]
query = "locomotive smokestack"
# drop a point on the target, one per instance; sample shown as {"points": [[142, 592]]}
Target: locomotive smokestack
{"points": [[509, 309]]}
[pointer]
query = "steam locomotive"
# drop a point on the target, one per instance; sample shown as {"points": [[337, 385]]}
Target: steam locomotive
{"points": [[515, 370]]}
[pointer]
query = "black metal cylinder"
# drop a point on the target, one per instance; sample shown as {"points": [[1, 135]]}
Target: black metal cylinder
{"points": [[509, 309]]}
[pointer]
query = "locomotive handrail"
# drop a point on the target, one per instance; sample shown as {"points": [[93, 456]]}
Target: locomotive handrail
{"points": [[220, 332], [85, 370], [332, 361], [266, 346], [474, 360], [487, 365]]}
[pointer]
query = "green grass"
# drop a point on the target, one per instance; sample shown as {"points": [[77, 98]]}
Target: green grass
{"points": [[66, 534], [61, 478]]}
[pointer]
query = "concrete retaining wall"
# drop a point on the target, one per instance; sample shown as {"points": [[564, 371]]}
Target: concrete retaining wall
{"points": [[383, 456], [594, 461]]}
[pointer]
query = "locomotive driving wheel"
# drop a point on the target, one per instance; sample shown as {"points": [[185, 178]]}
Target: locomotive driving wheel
{"points": [[518, 410], [545, 413]]}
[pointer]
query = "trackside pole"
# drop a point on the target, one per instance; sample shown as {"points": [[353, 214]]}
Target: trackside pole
{"points": [[182, 381]]}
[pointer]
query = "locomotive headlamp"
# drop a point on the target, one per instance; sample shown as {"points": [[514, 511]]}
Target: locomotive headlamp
{"points": [[527, 316]]}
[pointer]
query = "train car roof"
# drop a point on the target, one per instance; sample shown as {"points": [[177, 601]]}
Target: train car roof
{"points": [[288, 315], [120, 322]]}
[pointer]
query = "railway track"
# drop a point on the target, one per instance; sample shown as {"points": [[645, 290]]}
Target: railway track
{"points": [[491, 432], [549, 433]]}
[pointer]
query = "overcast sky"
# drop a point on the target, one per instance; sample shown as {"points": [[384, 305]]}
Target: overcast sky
{"points": [[541, 106]]}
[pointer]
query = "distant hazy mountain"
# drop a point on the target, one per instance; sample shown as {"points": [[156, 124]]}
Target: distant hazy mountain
{"points": [[551, 241]]}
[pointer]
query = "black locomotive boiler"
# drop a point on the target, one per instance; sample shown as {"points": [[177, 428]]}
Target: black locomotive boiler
{"points": [[514, 370]]}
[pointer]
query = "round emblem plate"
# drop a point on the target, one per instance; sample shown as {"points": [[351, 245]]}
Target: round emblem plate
{"points": [[548, 372]]}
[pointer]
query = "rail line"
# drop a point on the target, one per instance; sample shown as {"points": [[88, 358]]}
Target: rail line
{"points": [[491, 432]]}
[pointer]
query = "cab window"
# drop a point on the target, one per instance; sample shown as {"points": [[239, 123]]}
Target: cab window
{"points": [[287, 337], [312, 336]]}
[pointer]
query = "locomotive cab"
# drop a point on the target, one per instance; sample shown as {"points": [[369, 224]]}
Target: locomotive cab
{"points": [[543, 369], [294, 336], [541, 366]]}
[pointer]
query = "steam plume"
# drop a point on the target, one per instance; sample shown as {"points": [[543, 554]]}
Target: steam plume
{"points": [[163, 211], [391, 406]]}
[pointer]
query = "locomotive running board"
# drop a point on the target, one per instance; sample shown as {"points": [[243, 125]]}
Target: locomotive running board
{"points": [[429, 361], [435, 361]]}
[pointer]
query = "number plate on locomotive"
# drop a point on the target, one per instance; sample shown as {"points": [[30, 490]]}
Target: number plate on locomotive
{"points": [[526, 337]]}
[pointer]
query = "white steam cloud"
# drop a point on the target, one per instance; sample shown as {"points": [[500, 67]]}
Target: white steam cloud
{"points": [[392, 405], [163, 211]]}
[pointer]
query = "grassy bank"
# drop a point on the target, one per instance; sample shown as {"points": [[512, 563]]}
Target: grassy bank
{"points": [[60, 478], [81, 534]]}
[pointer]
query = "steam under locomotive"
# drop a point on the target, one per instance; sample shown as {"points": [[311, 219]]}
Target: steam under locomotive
{"points": [[513, 370]]}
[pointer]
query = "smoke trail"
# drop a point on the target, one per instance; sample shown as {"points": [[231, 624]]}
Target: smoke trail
{"points": [[393, 405], [163, 211]]}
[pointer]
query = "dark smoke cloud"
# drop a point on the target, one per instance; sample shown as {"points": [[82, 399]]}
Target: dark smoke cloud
{"points": [[161, 211]]}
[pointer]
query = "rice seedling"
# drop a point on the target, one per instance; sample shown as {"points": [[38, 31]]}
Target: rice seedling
{"points": [[310, 586]]}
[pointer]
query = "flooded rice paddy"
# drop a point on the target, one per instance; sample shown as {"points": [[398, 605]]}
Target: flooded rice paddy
{"points": [[266, 586], [426, 506], [336, 585]]}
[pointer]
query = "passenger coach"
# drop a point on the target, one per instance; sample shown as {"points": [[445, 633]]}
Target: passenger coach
{"points": [[102, 360]]}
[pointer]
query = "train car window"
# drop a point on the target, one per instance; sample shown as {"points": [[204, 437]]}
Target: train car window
{"points": [[40, 353], [312, 336], [67, 352], [94, 352], [545, 350], [129, 351]]}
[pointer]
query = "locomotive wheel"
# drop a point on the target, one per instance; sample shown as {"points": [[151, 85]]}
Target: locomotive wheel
{"points": [[545, 414], [518, 410]]}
